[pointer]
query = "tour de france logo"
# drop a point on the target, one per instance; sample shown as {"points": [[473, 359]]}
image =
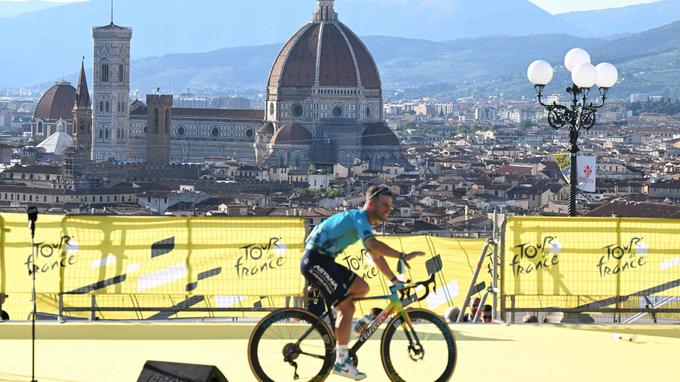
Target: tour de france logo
{"points": [[622, 258], [362, 265], [51, 257], [537, 256], [260, 258]]}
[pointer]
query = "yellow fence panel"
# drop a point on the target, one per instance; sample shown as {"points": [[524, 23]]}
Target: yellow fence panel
{"points": [[550, 256], [154, 255]]}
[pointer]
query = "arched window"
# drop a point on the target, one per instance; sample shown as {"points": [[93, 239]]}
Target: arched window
{"points": [[107, 106], [40, 127], [121, 73], [155, 122], [101, 105], [105, 72]]}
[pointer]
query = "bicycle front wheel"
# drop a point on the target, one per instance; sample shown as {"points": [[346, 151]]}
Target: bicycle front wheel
{"points": [[291, 345], [424, 350]]}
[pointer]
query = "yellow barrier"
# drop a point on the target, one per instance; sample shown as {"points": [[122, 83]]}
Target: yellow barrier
{"points": [[161, 261], [459, 260], [154, 255], [549, 256]]}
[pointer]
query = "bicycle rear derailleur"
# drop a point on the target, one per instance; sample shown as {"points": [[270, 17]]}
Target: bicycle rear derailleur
{"points": [[290, 353]]}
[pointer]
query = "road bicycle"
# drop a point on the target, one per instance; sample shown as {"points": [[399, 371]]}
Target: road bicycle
{"points": [[294, 344]]}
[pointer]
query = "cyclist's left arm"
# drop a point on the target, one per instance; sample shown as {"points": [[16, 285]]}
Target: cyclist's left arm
{"points": [[378, 259], [379, 250]]}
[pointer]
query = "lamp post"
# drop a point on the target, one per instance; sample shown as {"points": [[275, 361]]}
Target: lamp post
{"points": [[580, 114]]}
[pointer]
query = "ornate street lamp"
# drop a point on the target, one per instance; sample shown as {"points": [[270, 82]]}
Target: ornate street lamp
{"points": [[580, 114]]}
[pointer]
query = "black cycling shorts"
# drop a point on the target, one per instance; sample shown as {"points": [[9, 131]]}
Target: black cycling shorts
{"points": [[331, 278]]}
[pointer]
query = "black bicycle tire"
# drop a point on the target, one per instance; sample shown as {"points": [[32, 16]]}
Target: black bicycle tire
{"points": [[286, 313], [422, 314]]}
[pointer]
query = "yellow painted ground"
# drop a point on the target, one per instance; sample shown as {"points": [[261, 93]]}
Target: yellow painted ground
{"points": [[102, 352]]}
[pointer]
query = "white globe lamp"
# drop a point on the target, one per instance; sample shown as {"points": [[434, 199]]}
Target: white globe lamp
{"points": [[540, 73], [576, 57], [607, 75], [584, 76]]}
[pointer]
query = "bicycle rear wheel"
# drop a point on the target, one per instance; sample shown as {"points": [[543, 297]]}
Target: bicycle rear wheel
{"points": [[423, 351], [278, 352]]}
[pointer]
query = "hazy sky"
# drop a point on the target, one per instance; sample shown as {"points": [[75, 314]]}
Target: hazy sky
{"points": [[562, 6], [552, 6]]}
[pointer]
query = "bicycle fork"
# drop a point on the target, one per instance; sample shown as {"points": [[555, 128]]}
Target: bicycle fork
{"points": [[415, 349]]}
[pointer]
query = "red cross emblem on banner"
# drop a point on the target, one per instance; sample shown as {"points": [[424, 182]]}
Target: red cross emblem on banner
{"points": [[587, 170]]}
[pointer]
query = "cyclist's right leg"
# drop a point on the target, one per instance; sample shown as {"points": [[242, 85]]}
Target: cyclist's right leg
{"points": [[334, 281]]}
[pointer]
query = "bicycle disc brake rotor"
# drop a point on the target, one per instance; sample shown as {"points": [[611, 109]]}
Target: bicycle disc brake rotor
{"points": [[416, 352], [290, 352]]}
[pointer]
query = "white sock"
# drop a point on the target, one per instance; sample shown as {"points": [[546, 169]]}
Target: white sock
{"points": [[341, 353]]}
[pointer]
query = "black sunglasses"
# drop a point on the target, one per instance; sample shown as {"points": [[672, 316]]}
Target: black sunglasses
{"points": [[381, 191]]}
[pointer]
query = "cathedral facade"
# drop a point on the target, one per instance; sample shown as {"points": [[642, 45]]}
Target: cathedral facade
{"points": [[161, 133], [323, 106]]}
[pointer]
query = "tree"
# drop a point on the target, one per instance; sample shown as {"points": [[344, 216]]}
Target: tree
{"points": [[463, 130]]}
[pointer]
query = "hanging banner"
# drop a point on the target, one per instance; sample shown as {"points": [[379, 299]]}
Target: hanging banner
{"points": [[564, 164], [587, 170]]}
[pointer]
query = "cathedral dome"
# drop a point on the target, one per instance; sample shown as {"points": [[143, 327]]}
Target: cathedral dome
{"points": [[291, 134], [379, 134], [326, 53], [56, 103]]}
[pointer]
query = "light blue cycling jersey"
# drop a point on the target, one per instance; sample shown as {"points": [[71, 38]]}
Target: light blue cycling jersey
{"points": [[339, 231]]}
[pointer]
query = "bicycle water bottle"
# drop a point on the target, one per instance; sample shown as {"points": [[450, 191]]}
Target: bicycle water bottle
{"points": [[362, 324]]}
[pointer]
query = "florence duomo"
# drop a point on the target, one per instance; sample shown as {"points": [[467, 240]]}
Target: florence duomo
{"points": [[323, 106]]}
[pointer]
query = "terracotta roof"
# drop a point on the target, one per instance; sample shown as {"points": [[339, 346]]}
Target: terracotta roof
{"points": [[370, 77], [636, 210], [379, 134], [57, 102], [266, 129], [35, 169], [138, 107], [218, 113], [514, 170], [666, 183], [336, 65], [291, 134], [296, 63], [342, 61]]}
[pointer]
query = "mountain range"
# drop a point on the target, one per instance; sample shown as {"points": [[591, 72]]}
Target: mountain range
{"points": [[648, 62], [624, 20], [16, 8], [449, 58]]}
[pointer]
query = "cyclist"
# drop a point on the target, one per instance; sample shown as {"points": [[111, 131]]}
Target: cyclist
{"points": [[338, 284]]}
